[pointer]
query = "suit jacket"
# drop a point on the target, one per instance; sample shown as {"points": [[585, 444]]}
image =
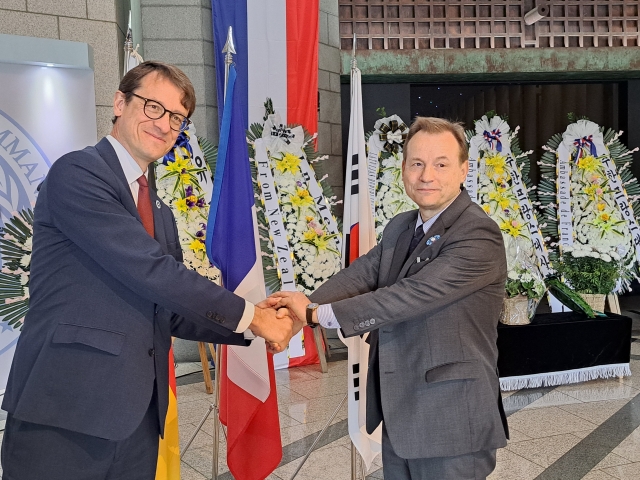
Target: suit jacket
{"points": [[105, 300], [434, 325]]}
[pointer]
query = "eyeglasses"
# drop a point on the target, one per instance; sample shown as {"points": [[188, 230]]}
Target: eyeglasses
{"points": [[155, 110]]}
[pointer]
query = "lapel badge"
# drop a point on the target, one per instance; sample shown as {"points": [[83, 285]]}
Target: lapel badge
{"points": [[433, 239], [158, 203]]}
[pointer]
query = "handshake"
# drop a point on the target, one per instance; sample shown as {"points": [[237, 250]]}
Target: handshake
{"points": [[278, 318]]}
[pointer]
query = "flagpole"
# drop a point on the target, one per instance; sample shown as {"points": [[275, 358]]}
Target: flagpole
{"points": [[354, 452], [229, 51]]}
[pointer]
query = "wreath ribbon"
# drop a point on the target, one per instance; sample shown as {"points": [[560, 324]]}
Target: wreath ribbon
{"points": [[393, 135], [581, 143], [493, 136]]}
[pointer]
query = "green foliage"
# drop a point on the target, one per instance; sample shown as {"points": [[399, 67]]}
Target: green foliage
{"points": [[568, 297], [525, 285], [381, 112], [588, 274]]}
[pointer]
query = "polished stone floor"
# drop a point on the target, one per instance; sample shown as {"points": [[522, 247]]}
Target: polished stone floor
{"points": [[589, 430]]}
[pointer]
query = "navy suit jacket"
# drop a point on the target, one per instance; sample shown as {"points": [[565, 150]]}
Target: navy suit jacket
{"points": [[105, 300]]}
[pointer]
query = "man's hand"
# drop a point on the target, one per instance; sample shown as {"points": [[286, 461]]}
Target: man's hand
{"points": [[295, 302], [276, 329]]}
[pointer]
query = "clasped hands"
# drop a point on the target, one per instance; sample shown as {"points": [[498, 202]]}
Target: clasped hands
{"points": [[278, 318]]}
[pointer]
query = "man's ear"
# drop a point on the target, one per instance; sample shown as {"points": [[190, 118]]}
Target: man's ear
{"points": [[119, 102]]}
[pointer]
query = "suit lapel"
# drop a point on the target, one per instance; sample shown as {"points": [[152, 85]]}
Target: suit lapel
{"points": [[108, 154], [439, 227], [400, 252], [423, 250], [158, 219]]}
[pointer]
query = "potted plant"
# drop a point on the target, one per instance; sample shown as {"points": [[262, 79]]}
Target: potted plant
{"points": [[591, 272]]}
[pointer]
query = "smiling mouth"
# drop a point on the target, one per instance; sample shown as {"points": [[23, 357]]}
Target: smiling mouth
{"points": [[160, 139]]}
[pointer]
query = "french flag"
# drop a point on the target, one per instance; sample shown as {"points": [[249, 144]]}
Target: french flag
{"points": [[276, 57]]}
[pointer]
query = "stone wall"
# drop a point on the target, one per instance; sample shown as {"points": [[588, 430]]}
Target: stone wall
{"points": [[329, 119], [88, 21], [180, 32]]}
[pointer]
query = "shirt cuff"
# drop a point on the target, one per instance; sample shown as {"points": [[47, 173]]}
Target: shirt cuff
{"points": [[247, 317], [326, 317]]}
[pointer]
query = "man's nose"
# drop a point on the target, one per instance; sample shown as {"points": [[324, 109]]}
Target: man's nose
{"points": [[163, 123], [427, 174]]}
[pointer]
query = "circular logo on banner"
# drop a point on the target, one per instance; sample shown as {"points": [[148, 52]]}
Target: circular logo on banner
{"points": [[23, 166]]}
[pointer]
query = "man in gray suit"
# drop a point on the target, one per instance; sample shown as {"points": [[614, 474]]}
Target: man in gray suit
{"points": [[430, 294], [88, 390]]}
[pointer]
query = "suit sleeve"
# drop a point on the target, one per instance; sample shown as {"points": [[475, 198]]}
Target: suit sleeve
{"points": [[86, 208], [473, 259], [360, 277]]}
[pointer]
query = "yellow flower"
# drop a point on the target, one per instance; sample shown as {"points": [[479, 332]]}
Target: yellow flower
{"points": [[308, 219], [321, 243], [310, 234], [302, 198], [496, 164], [192, 199], [196, 245], [486, 208], [289, 163], [588, 163], [185, 178], [601, 206], [181, 205], [179, 165], [511, 227], [604, 217]]}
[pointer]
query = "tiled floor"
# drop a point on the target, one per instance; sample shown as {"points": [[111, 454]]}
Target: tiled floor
{"points": [[589, 430]]}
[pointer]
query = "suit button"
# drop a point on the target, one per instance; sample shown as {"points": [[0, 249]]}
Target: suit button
{"points": [[210, 314], [367, 323], [361, 324], [151, 352], [355, 327], [372, 321]]}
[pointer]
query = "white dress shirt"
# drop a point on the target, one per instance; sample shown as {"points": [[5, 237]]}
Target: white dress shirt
{"points": [[132, 173]]}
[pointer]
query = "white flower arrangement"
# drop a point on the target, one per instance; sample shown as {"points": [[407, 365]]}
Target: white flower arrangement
{"points": [[387, 139], [15, 246], [499, 160], [178, 186], [597, 224], [391, 198], [316, 256]]}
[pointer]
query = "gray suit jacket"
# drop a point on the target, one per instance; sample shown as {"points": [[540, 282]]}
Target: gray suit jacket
{"points": [[434, 325], [105, 300]]}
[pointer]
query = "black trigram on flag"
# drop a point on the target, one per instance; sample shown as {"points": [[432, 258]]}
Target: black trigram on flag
{"points": [[354, 174], [356, 381]]}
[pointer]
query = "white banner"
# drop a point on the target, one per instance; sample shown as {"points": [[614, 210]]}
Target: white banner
{"points": [[277, 230], [528, 215], [44, 113], [620, 196], [565, 215], [471, 183], [321, 203]]}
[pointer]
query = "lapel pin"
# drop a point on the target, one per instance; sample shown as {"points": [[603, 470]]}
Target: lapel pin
{"points": [[433, 239], [158, 203]]}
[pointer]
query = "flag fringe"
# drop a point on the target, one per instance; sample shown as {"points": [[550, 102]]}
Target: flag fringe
{"points": [[564, 377]]}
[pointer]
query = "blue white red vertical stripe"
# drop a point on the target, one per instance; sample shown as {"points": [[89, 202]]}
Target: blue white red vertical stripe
{"points": [[248, 401]]}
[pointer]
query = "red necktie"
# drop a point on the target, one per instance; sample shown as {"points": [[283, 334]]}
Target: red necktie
{"points": [[144, 205]]}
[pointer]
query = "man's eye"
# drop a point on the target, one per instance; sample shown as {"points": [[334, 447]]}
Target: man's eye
{"points": [[153, 107]]}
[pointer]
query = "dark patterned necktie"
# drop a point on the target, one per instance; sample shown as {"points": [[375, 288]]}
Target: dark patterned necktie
{"points": [[417, 236], [144, 205]]}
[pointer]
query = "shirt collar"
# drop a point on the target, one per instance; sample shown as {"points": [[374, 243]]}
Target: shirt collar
{"points": [[129, 166], [427, 225]]}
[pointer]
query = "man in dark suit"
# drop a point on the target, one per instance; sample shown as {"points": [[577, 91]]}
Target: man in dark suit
{"points": [[87, 392], [430, 294]]}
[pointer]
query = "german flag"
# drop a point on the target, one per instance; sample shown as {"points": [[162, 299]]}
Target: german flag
{"points": [[169, 448]]}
